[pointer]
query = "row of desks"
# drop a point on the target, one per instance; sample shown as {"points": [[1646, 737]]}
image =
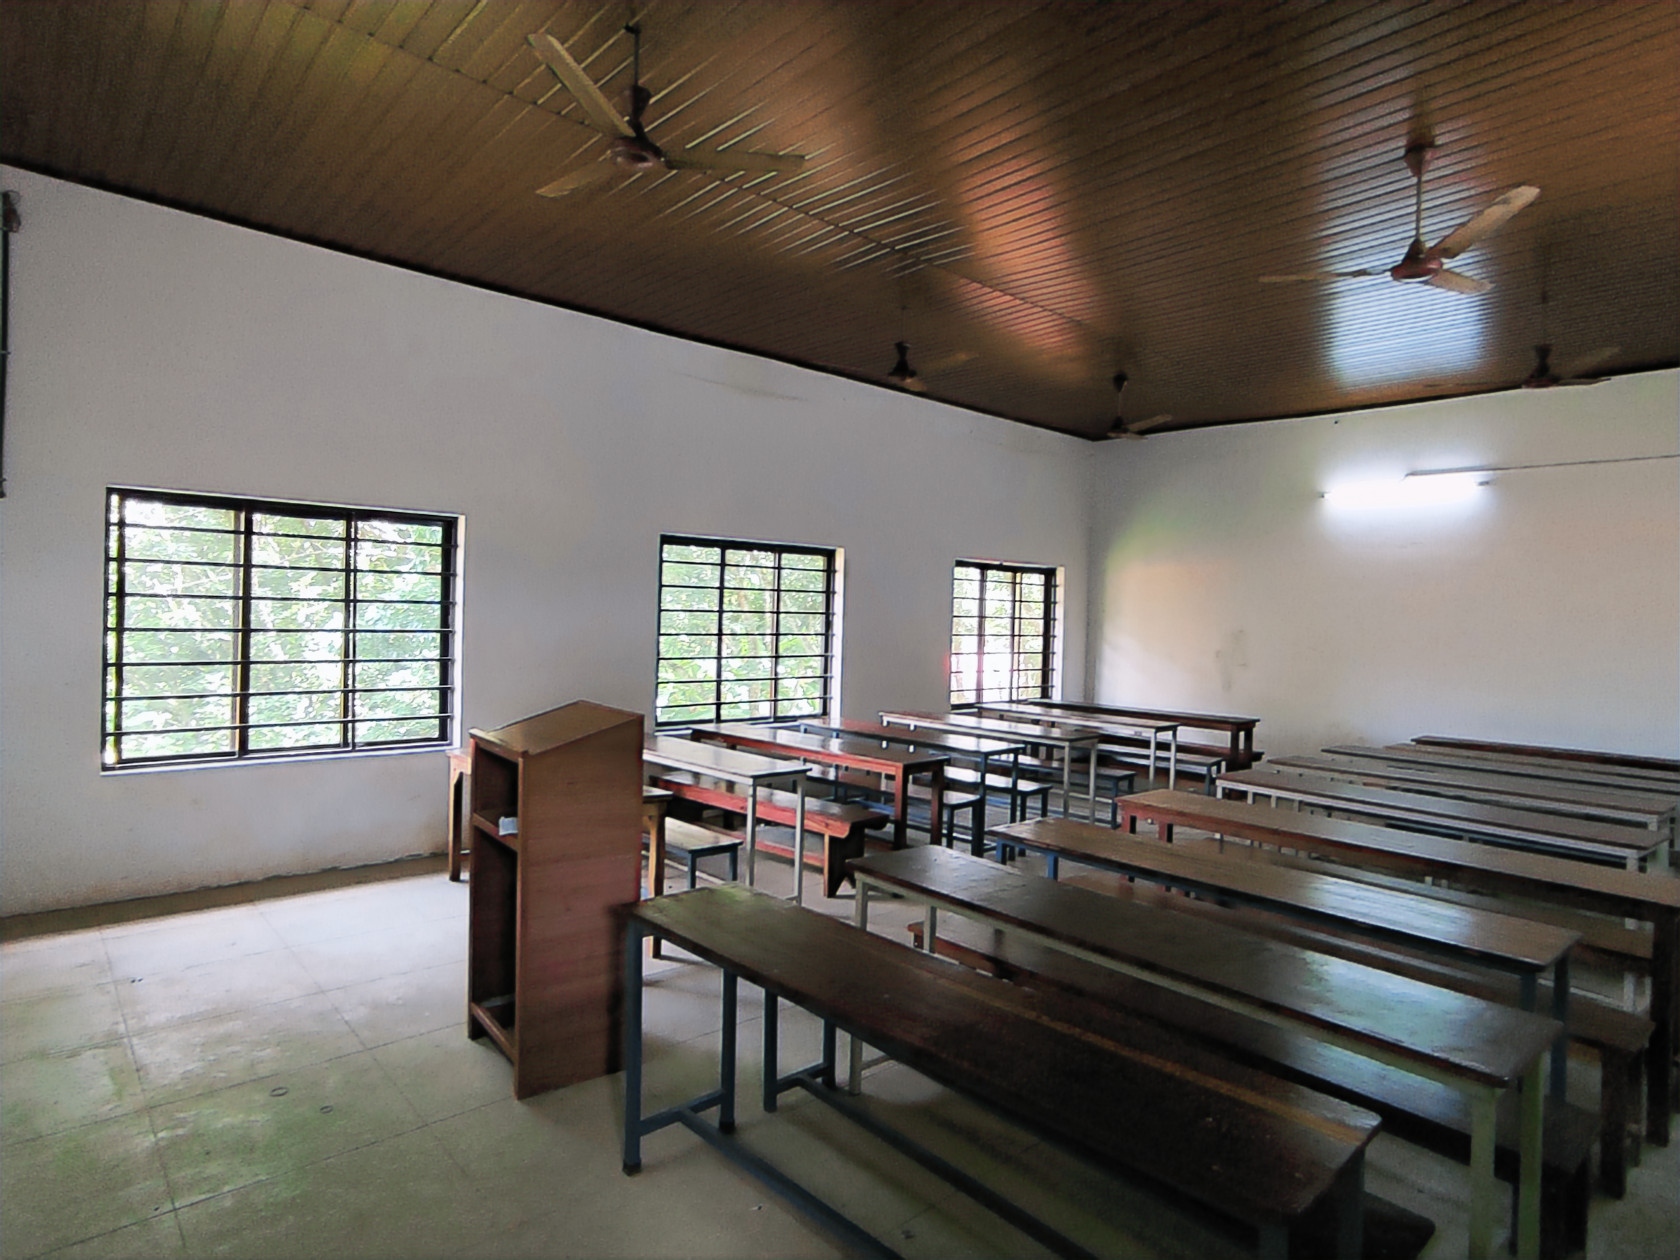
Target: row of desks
{"points": [[1479, 1048], [1476, 868]]}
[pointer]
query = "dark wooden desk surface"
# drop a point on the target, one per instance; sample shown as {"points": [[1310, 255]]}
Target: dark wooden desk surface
{"points": [[940, 741], [1646, 808], [1063, 1068], [859, 754], [996, 728], [1440, 1032], [1418, 755], [1617, 841], [897, 764], [1550, 767], [1633, 761], [1483, 936], [1196, 721]]}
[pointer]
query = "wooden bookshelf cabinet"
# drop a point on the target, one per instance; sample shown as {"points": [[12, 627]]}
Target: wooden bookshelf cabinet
{"points": [[545, 942]]}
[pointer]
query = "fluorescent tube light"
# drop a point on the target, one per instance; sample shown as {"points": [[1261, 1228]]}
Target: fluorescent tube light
{"points": [[1414, 490]]}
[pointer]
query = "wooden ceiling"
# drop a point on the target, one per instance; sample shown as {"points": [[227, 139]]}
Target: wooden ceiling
{"points": [[1033, 195]]}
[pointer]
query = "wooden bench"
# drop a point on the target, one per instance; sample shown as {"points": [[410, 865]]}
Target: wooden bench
{"points": [[1193, 1126], [841, 825], [845, 782], [1480, 1049], [692, 841], [1418, 1111], [1478, 868]]}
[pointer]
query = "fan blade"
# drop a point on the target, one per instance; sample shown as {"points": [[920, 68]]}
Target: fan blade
{"points": [[1484, 224], [597, 111], [581, 178], [733, 160], [1580, 371], [1319, 275], [953, 360], [1457, 282], [1140, 427]]}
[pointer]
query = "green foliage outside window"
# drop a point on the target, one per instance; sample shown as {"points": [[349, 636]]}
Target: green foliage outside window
{"points": [[240, 629], [744, 632]]}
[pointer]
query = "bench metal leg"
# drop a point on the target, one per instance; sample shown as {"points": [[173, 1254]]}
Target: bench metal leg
{"points": [[633, 1048], [1274, 1242], [1350, 1211], [1482, 1109], [772, 1017], [726, 1056], [854, 1068]]}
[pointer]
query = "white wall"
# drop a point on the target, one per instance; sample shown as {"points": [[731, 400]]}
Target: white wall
{"points": [[1548, 610], [155, 348]]}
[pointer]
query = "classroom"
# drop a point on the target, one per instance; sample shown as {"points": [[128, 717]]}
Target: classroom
{"points": [[1044, 480]]}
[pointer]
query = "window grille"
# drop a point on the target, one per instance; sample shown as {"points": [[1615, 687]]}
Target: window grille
{"points": [[1003, 632], [746, 631], [240, 628]]}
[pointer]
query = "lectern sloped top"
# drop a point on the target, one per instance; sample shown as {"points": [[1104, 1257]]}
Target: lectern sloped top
{"points": [[557, 727]]}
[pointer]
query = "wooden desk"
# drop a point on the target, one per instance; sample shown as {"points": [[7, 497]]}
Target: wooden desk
{"points": [[747, 769], [1462, 934], [1126, 1094], [1416, 755], [1476, 868], [1629, 761], [894, 764], [958, 747], [1110, 728], [1241, 729], [1580, 838], [1479, 1048], [1635, 809], [1065, 739]]}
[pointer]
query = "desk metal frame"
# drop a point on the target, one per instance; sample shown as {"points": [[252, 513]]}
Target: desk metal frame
{"points": [[1064, 738]]}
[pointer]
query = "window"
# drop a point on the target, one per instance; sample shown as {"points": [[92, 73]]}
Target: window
{"points": [[1003, 632], [237, 628], [746, 631]]}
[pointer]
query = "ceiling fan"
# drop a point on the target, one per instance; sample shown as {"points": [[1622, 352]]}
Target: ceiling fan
{"points": [[631, 147], [1427, 263], [1136, 429], [1577, 372], [906, 377]]}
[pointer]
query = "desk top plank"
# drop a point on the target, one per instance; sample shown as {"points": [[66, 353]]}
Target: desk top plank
{"points": [[1436, 1029], [1111, 725], [859, 754], [721, 763], [1560, 772], [1601, 888], [1593, 756], [993, 728], [1196, 721], [1478, 817], [1644, 808], [1486, 936], [943, 741], [1064, 1068]]}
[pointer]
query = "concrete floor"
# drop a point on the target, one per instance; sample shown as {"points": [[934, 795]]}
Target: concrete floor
{"points": [[282, 1070]]}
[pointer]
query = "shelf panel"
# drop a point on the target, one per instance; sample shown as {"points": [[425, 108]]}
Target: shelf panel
{"points": [[488, 827]]}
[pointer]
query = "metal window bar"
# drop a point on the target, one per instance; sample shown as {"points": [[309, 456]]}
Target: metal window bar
{"points": [[720, 550], [362, 536]]}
